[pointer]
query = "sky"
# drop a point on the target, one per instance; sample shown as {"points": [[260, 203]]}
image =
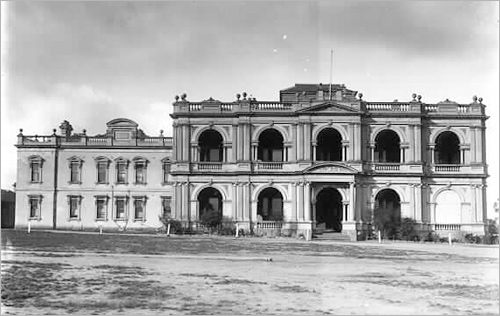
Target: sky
{"points": [[91, 62]]}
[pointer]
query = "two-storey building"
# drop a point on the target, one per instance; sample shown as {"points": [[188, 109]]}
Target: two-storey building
{"points": [[319, 159]]}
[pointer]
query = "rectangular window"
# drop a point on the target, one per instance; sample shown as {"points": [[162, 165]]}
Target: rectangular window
{"points": [[35, 172], [140, 173], [35, 206], [101, 208], [121, 169], [74, 207], [165, 205], [120, 207], [74, 172], [139, 206], [102, 172]]}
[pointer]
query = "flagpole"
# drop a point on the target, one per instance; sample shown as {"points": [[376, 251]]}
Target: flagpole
{"points": [[331, 70]]}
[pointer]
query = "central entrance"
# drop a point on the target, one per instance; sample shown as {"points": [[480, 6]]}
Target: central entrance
{"points": [[329, 209]]}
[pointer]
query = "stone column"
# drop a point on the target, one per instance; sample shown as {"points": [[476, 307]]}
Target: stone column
{"points": [[479, 145], [307, 202], [418, 143], [175, 144], [473, 195], [246, 201], [356, 142], [352, 140], [236, 212], [431, 148], [411, 151], [372, 152], [300, 202], [294, 202], [345, 146], [352, 201], [246, 142], [300, 142], [255, 147], [293, 153], [418, 202], [186, 142], [315, 150], [240, 142], [307, 141], [412, 201], [234, 138]]}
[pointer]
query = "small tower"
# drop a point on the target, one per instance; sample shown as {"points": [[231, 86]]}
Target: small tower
{"points": [[66, 129]]}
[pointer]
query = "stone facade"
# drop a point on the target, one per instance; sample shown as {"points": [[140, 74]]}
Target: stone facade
{"points": [[314, 161]]}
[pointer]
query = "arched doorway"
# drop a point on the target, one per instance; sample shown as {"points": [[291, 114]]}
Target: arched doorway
{"points": [[329, 209], [270, 146], [387, 213], [209, 199], [329, 146], [387, 147], [270, 205], [447, 148], [211, 146]]}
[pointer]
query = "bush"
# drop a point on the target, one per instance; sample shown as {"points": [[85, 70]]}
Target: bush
{"points": [[432, 237], [211, 219], [407, 230], [175, 225]]}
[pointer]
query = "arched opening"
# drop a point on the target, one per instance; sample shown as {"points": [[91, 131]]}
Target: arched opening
{"points": [[448, 208], [387, 213], [387, 147], [447, 148], [329, 209], [270, 205], [210, 199], [329, 146], [211, 147], [270, 146]]}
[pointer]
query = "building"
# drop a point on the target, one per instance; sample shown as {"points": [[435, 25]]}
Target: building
{"points": [[8, 208], [319, 159]]}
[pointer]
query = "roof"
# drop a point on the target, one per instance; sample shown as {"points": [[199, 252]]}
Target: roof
{"points": [[307, 87]]}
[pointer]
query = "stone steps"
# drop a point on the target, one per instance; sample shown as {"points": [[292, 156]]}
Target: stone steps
{"points": [[331, 236]]}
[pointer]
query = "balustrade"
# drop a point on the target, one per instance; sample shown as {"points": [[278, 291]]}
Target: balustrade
{"points": [[447, 168], [269, 165], [446, 226], [387, 167], [269, 225]]}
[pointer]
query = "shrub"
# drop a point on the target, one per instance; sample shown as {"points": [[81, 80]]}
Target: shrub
{"points": [[407, 229], [211, 219], [432, 237], [175, 225]]}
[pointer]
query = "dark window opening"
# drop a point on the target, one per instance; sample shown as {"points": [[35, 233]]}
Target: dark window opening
{"points": [[211, 146], [329, 146], [270, 146], [387, 147], [270, 205], [210, 199], [447, 148]]}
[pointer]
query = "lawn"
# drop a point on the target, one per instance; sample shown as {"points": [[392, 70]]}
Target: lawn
{"points": [[60, 273]]}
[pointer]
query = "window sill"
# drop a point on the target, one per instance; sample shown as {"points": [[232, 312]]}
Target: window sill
{"points": [[36, 182], [140, 183], [105, 183], [101, 219], [74, 182], [74, 219], [139, 220], [34, 219], [121, 183]]}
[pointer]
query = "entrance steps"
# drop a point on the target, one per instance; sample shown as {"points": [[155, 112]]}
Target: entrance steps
{"points": [[331, 236]]}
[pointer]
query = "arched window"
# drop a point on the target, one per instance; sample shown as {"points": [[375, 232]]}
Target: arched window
{"points": [[211, 146], [387, 147], [329, 145], [210, 199], [329, 209], [270, 146], [387, 213], [448, 208], [447, 148], [270, 205]]}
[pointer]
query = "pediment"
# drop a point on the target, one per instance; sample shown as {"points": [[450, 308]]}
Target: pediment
{"points": [[329, 107], [330, 168]]}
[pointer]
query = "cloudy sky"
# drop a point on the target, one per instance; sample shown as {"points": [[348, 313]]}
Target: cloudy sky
{"points": [[90, 62]]}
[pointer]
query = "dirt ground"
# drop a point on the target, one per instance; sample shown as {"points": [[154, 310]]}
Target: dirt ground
{"points": [[224, 275]]}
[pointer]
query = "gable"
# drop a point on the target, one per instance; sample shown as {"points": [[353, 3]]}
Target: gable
{"points": [[329, 107]]}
